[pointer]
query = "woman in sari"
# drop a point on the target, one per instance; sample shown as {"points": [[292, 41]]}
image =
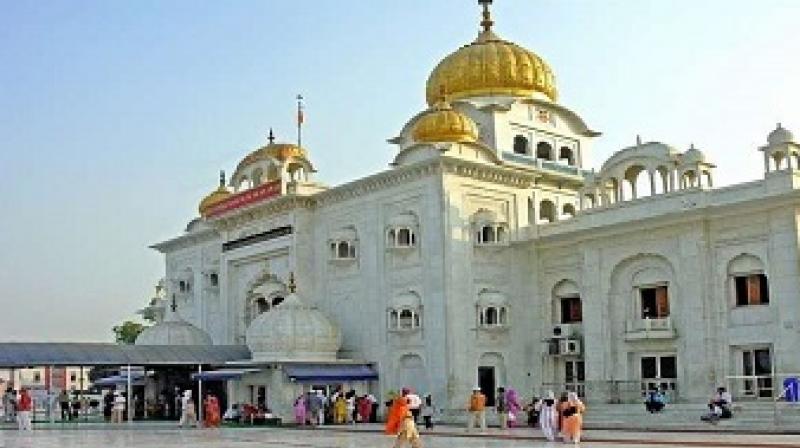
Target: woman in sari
{"points": [[300, 410], [513, 405], [397, 412], [211, 407], [573, 418]]}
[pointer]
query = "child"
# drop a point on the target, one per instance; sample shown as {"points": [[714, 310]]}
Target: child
{"points": [[408, 433]]}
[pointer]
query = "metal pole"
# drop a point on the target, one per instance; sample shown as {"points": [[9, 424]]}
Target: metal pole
{"points": [[50, 397], [130, 397], [82, 392], [199, 400]]}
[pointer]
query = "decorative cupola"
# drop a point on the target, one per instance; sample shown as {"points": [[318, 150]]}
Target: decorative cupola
{"points": [[293, 331], [173, 330], [693, 169], [215, 197], [442, 124], [781, 151]]}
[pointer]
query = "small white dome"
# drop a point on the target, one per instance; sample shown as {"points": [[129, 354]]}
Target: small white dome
{"points": [[780, 135], [293, 331], [173, 331], [694, 155]]}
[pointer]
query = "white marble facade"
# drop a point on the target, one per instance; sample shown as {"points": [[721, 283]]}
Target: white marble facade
{"points": [[462, 253]]}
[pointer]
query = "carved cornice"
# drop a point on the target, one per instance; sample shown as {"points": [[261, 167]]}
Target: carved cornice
{"points": [[266, 209], [380, 181], [186, 240]]}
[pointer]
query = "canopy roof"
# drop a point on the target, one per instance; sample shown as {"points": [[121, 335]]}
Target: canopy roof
{"points": [[330, 373], [24, 354]]}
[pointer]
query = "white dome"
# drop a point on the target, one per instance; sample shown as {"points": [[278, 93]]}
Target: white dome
{"points": [[694, 155], [173, 331], [780, 135], [293, 331]]}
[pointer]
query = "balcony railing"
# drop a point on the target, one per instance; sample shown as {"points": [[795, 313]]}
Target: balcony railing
{"points": [[650, 328]]}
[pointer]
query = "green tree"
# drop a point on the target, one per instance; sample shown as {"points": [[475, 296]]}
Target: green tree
{"points": [[127, 332]]}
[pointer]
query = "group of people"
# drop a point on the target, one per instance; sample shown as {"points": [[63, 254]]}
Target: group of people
{"points": [[562, 417], [18, 407], [315, 408]]}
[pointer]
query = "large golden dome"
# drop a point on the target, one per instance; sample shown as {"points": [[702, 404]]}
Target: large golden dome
{"points": [[215, 197], [491, 66], [443, 124]]}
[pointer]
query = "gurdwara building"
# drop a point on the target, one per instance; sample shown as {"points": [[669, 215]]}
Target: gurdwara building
{"points": [[491, 252]]}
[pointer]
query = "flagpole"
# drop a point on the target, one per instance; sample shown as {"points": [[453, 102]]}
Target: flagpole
{"points": [[299, 119]]}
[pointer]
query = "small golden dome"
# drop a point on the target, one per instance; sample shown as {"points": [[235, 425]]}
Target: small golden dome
{"points": [[278, 151], [443, 124], [215, 197], [491, 66]]}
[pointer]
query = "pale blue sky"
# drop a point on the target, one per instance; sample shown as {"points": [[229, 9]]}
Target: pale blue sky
{"points": [[115, 117]]}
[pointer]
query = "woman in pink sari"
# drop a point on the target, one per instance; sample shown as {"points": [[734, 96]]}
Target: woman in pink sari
{"points": [[212, 416], [300, 410], [513, 405]]}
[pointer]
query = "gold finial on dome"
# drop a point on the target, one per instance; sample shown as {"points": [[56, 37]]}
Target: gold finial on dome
{"points": [[215, 197], [487, 21], [271, 137]]}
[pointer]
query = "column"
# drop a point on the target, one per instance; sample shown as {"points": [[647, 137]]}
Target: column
{"points": [[652, 177], [766, 162]]}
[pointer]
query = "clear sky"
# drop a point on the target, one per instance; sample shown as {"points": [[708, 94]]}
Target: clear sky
{"points": [[115, 117]]}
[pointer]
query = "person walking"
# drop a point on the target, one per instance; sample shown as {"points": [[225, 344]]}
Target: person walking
{"points": [[212, 415], [188, 415], [396, 415], [477, 409], [513, 406], [24, 408], [501, 408], [300, 411], [427, 411], [573, 418], [414, 404], [63, 403], [548, 416], [118, 409], [407, 433], [8, 405]]}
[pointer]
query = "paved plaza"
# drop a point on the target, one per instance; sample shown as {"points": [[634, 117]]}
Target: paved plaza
{"points": [[365, 437]]}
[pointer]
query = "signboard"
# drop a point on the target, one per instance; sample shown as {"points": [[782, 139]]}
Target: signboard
{"points": [[248, 197]]}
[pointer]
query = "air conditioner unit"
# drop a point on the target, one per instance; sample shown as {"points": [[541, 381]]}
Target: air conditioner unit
{"points": [[569, 347], [562, 331]]}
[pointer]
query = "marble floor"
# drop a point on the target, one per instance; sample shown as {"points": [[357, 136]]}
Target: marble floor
{"points": [[153, 437]]}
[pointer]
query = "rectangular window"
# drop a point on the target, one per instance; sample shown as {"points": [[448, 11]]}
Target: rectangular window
{"points": [[574, 372], [751, 289], [757, 364], [571, 311], [654, 302]]}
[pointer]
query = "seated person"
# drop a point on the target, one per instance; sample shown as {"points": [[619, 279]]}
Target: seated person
{"points": [[719, 406], [655, 401], [232, 414]]}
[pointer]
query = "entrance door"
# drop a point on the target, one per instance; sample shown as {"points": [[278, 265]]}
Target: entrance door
{"points": [[757, 364], [574, 377], [659, 372], [487, 383]]}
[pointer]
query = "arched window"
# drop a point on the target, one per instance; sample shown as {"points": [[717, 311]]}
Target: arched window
{"points": [[487, 234], [406, 320], [492, 316], [258, 175], [344, 249], [262, 306], [520, 144], [277, 301], [568, 210], [544, 151], [749, 282], [547, 211], [566, 155], [213, 278], [401, 237]]}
